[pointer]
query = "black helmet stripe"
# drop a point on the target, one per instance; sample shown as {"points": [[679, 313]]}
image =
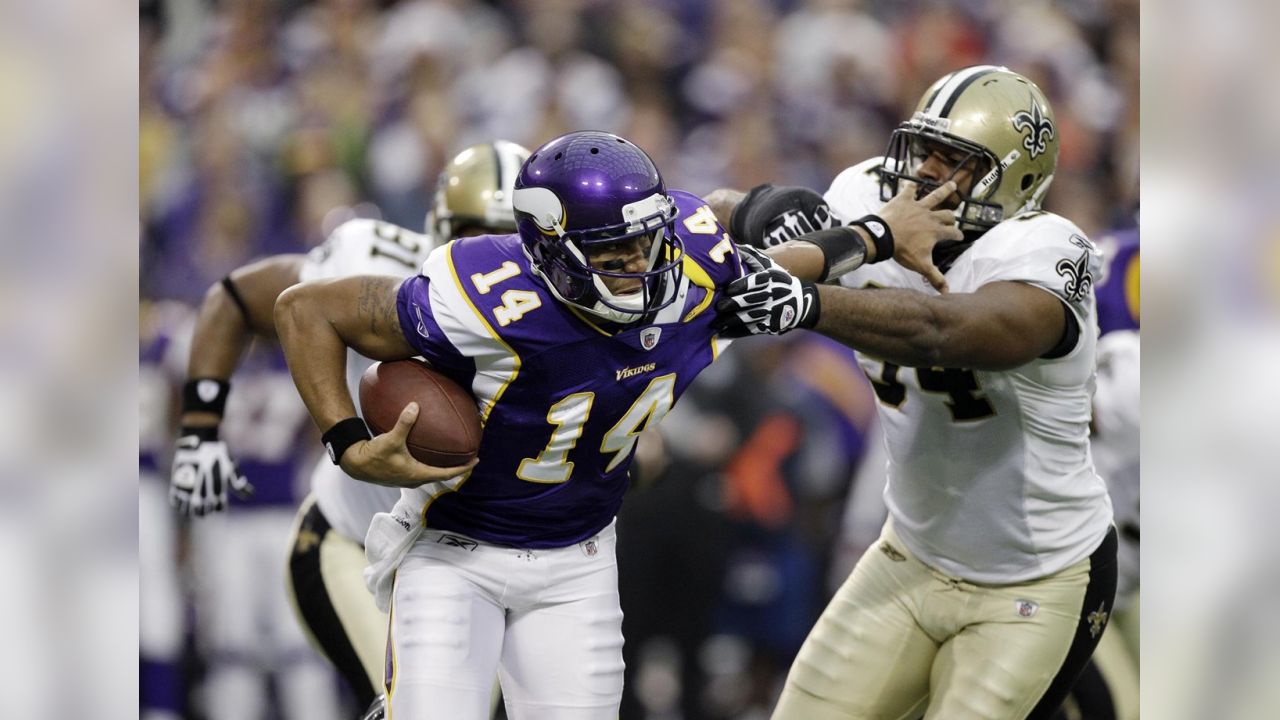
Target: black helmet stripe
{"points": [[945, 97]]}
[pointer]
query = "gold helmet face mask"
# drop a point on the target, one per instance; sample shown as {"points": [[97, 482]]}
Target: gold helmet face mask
{"points": [[473, 194], [990, 120]]}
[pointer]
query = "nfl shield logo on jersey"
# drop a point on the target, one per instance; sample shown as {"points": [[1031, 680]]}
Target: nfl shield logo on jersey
{"points": [[1027, 608], [649, 337]]}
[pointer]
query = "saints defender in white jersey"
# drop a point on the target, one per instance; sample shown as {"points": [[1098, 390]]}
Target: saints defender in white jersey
{"points": [[995, 574], [473, 196]]}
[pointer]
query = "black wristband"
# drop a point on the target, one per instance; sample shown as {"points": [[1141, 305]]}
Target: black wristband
{"points": [[343, 435], [205, 395], [843, 250], [207, 433], [880, 234], [230, 287]]}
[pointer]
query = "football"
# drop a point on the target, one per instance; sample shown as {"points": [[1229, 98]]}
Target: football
{"points": [[447, 432]]}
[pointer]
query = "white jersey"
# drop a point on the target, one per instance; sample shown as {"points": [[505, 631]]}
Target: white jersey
{"points": [[1116, 444], [360, 247], [990, 474]]}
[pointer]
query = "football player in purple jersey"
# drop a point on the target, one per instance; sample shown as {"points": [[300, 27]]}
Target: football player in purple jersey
{"points": [[574, 335], [472, 197]]}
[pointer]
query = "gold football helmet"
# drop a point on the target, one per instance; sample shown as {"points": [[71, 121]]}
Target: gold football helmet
{"points": [[990, 120], [473, 194]]}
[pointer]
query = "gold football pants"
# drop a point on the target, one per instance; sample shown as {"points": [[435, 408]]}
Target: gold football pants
{"points": [[902, 640]]}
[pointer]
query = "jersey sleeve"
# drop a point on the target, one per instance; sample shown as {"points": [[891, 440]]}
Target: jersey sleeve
{"points": [[423, 312], [855, 191], [366, 247], [712, 259], [1048, 252]]}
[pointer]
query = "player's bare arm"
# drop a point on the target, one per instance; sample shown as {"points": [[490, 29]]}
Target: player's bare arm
{"points": [[225, 326], [1000, 326], [316, 323], [234, 309]]}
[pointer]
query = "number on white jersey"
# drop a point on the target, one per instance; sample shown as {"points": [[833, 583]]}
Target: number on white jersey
{"points": [[396, 245], [964, 399]]}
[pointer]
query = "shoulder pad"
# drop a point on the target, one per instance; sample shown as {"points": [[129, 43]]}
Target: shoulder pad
{"points": [[711, 258], [856, 191]]}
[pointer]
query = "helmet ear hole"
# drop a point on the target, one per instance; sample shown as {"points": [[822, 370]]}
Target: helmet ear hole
{"points": [[1027, 180], [595, 151], [559, 155]]}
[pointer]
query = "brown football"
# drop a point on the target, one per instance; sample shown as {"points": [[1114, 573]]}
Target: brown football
{"points": [[447, 432]]}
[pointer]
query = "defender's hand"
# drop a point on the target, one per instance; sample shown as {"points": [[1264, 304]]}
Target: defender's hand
{"points": [[203, 472], [917, 226], [769, 302], [385, 460]]}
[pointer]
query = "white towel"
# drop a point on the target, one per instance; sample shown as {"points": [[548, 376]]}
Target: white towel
{"points": [[389, 538]]}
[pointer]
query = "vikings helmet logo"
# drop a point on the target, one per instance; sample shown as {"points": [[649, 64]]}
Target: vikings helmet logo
{"points": [[1040, 127]]}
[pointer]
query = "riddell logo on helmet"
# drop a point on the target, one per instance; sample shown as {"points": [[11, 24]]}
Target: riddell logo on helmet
{"points": [[932, 121]]}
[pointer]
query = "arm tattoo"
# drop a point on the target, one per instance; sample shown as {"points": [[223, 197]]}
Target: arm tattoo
{"points": [[377, 304]]}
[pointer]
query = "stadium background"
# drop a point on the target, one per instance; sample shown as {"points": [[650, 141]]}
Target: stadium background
{"points": [[264, 125]]}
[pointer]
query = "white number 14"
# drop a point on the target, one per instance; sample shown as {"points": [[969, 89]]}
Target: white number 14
{"points": [[570, 415]]}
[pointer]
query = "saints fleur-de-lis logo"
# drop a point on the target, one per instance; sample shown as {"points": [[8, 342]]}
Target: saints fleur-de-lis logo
{"points": [[1098, 620], [1079, 279], [1040, 127]]}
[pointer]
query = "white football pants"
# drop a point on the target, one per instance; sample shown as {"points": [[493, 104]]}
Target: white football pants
{"points": [[547, 621], [245, 624]]}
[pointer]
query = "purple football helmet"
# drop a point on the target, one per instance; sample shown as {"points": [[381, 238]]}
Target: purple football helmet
{"points": [[585, 190]]}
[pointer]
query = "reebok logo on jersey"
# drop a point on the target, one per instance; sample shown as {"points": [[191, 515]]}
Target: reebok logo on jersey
{"points": [[458, 542], [892, 552], [625, 373], [422, 323]]}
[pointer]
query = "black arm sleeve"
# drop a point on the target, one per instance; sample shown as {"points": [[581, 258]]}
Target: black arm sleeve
{"points": [[770, 216]]}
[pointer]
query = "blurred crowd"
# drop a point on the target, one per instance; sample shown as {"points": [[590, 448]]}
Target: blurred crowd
{"points": [[264, 125]]}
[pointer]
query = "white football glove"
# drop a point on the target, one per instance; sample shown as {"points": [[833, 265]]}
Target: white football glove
{"points": [[754, 260], [203, 472], [767, 302]]}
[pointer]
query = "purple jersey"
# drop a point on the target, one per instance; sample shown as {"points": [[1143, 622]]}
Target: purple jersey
{"points": [[1118, 291], [164, 334], [563, 399], [268, 430]]}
